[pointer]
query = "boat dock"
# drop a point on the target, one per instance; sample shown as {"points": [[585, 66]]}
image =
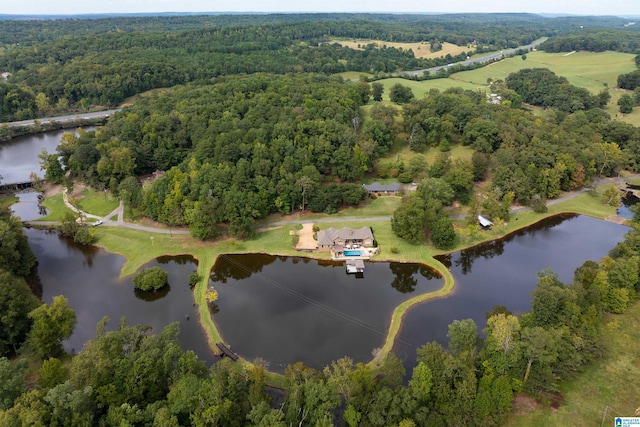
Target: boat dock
{"points": [[226, 351], [355, 266]]}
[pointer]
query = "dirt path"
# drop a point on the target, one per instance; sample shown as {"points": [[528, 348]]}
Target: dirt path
{"points": [[306, 242]]}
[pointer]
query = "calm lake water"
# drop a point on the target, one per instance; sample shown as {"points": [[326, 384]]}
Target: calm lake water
{"points": [[289, 309], [293, 309], [88, 277], [505, 273], [19, 157]]}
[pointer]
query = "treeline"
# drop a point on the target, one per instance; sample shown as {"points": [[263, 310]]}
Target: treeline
{"points": [[234, 151], [131, 377], [596, 40], [487, 29]]}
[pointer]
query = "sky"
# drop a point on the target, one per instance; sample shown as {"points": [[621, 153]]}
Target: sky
{"points": [[577, 7]]}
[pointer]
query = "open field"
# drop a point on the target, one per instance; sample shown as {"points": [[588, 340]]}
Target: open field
{"points": [[420, 49], [57, 208], [420, 88], [609, 384], [353, 75], [589, 70], [96, 202]]}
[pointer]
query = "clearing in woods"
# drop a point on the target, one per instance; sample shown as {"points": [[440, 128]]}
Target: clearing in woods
{"points": [[420, 49]]}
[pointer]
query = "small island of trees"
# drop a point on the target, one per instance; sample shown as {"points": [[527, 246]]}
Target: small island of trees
{"points": [[151, 279]]}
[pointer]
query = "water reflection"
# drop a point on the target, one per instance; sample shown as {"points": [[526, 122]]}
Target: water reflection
{"points": [[484, 280], [151, 296], [89, 278], [290, 309], [464, 260], [627, 202]]}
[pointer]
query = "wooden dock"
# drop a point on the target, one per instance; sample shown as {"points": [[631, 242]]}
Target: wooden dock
{"points": [[355, 266], [226, 351]]}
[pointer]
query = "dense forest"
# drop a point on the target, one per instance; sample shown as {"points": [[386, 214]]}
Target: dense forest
{"points": [[57, 65], [596, 40]]}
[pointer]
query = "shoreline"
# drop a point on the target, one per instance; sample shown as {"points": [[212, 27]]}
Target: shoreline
{"points": [[131, 245]]}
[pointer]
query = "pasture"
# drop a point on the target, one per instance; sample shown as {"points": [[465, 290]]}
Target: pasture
{"points": [[593, 71], [420, 49]]}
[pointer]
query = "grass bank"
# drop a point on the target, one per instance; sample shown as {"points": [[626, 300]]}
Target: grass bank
{"points": [[57, 208], [600, 387]]}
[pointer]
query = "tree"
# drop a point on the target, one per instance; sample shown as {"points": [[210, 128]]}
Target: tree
{"points": [[51, 325], [151, 279], [52, 373], [463, 337], [443, 235], [16, 302], [12, 376], [377, 90], [51, 165], [400, 94], [502, 341], [626, 103], [539, 345]]}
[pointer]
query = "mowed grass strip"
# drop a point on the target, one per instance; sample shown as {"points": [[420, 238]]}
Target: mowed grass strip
{"points": [[611, 383]]}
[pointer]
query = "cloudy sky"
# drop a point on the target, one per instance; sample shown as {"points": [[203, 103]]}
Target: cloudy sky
{"points": [[581, 7]]}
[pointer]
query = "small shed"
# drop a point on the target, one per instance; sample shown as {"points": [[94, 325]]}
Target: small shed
{"points": [[484, 222]]}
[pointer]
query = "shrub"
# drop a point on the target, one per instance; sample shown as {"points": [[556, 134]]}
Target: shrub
{"points": [[394, 250], [151, 279]]}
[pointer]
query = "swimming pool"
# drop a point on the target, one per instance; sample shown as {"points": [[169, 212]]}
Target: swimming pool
{"points": [[352, 253]]}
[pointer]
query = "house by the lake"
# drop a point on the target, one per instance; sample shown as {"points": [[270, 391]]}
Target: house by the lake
{"points": [[345, 238]]}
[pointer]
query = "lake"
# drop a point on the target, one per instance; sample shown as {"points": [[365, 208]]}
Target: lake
{"points": [[19, 157], [288, 309], [89, 278]]}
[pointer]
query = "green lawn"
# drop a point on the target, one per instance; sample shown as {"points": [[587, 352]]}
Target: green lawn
{"points": [[594, 71], [353, 75], [57, 208], [96, 202], [611, 382]]}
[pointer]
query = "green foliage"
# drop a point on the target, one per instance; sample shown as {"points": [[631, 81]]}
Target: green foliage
{"points": [[52, 373], [626, 103], [151, 279], [194, 278], [377, 89], [12, 381], [540, 86], [16, 256], [629, 81], [400, 94], [443, 235], [80, 233], [52, 324], [16, 302]]}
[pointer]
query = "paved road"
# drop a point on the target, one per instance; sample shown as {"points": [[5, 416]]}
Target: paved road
{"points": [[481, 60], [62, 119]]}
